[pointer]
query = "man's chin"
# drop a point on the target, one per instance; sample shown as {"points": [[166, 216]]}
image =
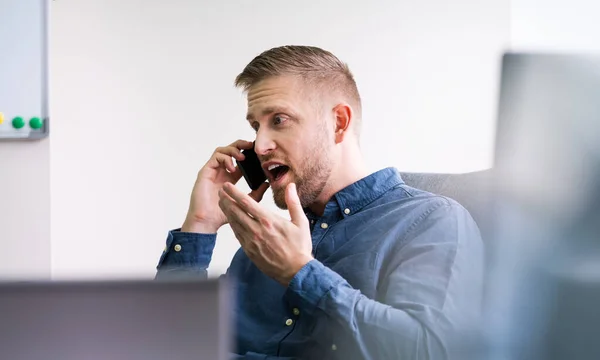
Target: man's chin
{"points": [[279, 193], [279, 198]]}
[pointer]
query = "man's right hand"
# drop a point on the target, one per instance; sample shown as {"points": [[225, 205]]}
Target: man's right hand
{"points": [[204, 214]]}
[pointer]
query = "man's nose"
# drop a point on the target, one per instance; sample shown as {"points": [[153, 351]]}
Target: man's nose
{"points": [[264, 144]]}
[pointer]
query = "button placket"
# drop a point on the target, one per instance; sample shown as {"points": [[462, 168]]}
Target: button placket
{"points": [[320, 232]]}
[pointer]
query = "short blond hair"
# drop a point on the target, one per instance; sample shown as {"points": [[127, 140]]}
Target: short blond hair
{"points": [[314, 65]]}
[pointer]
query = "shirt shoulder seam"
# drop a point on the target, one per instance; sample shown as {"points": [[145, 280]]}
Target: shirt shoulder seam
{"points": [[435, 206]]}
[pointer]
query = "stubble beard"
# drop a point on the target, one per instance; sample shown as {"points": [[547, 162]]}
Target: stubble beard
{"points": [[310, 177]]}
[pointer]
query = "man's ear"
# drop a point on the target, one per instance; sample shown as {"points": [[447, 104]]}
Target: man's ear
{"points": [[343, 118]]}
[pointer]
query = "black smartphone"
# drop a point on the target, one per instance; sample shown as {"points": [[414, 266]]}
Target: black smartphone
{"points": [[251, 169]]}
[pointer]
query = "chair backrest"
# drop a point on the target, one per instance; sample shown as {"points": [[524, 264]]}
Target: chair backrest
{"points": [[471, 190]]}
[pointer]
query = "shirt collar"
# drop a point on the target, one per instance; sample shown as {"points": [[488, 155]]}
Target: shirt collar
{"points": [[356, 196]]}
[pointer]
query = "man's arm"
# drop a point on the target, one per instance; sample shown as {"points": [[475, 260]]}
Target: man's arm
{"points": [[431, 286], [191, 259], [186, 254], [189, 249]]}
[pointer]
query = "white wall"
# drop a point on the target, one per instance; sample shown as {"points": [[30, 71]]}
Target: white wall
{"points": [[143, 94], [24, 210], [555, 25]]}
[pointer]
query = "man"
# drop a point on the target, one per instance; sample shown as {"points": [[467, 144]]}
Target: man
{"points": [[366, 267]]}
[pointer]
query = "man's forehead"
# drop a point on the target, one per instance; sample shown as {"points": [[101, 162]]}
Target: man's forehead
{"points": [[265, 111], [273, 86], [272, 95]]}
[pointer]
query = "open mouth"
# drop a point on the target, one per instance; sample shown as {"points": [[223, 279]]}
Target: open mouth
{"points": [[277, 171]]}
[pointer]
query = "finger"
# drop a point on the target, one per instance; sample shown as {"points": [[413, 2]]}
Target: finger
{"points": [[242, 144], [241, 234], [235, 149], [258, 194], [225, 205], [235, 176], [246, 239], [245, 202], [230, 151], [225, 161], [235, 214], [294, 206]]}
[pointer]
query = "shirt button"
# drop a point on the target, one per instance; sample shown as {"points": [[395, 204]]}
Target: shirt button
{"points": [[296, 311], [346, 211], [333, 347], [289, 322], [177, 248], [324, 226]]}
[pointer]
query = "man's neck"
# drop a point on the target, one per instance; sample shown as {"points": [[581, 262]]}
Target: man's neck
{"points": [[342, 177]]}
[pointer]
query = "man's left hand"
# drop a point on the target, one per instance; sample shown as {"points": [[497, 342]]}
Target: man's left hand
{"points": [[277, 246]]}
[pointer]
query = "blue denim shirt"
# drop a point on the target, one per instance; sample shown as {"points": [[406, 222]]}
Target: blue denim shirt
{"points": [[396, 271]]}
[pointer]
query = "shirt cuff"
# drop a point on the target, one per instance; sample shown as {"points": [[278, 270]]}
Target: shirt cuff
{"points": [[311, 284], [187, 250]]}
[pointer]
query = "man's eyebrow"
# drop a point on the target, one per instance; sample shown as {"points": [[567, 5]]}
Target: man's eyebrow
{"points": [[270, 110]]}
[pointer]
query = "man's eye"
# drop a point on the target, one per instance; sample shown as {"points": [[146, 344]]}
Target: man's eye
{"points": [[278, 119]]}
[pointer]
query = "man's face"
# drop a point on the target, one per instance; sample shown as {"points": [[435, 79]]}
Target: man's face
{"points": [[294, 137]]}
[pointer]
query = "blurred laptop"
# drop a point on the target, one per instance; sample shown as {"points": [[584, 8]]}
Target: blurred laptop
{"points": [[544, 300], [116, 320]]}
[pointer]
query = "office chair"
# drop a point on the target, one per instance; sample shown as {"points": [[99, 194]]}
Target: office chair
{"points": [[472, 190]]}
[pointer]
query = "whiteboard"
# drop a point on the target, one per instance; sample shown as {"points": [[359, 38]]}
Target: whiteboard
{"points": [[24, 112]]}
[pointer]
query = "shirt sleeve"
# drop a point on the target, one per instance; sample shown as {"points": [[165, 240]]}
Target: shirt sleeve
{"points": [[186, 255], [431, 288]]}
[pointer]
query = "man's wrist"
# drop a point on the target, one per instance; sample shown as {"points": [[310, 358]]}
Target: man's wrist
{"points": [[198, 228], [295, 268]]}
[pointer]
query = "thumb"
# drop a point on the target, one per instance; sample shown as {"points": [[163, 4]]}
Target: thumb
{"points": [[294, 206], [257, 194]]}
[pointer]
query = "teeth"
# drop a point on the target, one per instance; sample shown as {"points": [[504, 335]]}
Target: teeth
{"points": [[274, 166]]}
